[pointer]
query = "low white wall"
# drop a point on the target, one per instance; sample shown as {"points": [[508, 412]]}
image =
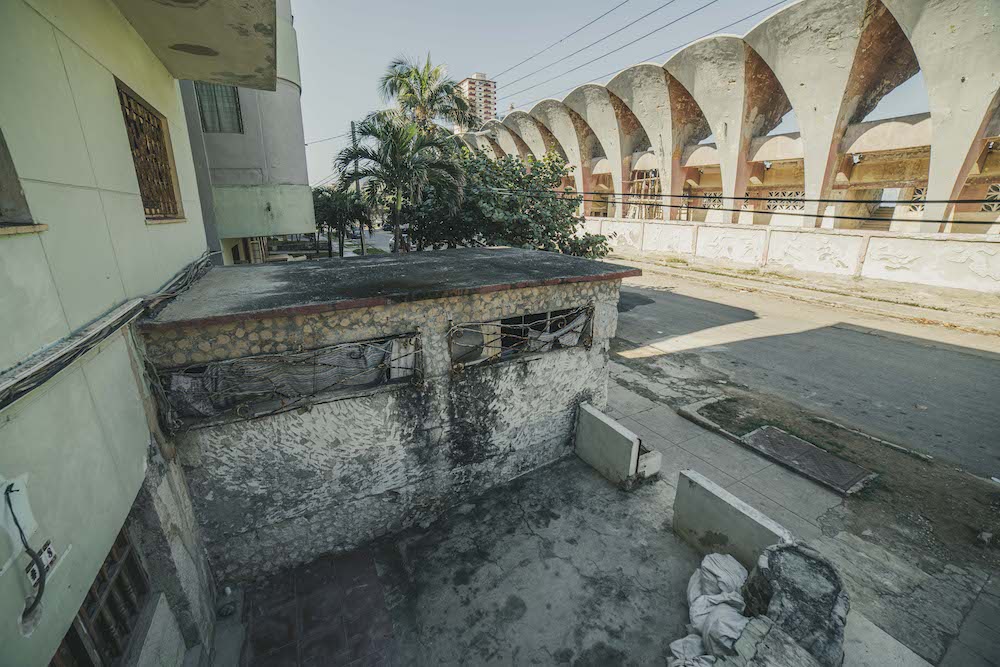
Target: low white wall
{"points": [[964, 261], [712, 520], [609, 447]]}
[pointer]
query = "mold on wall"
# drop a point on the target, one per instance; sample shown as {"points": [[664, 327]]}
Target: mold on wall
{"points": [[281, 489]]}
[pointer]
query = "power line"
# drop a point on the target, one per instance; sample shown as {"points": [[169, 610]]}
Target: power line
{"points": [[651, 58], [607, 199], [612, 34], [554, 44], [601, 57], [319, 141]]}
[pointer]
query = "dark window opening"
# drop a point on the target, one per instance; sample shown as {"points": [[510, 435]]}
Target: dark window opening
{"points": [[150, 144], [13, 205], [474, 343]]}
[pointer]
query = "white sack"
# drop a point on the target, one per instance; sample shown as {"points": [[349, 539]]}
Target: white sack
{"points": [[689, 652]]}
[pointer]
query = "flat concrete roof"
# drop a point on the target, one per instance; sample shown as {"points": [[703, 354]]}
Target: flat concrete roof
{"points": [[267, 290]]}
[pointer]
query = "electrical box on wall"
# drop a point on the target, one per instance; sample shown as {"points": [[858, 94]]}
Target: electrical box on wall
{"points": [[10, 539]]}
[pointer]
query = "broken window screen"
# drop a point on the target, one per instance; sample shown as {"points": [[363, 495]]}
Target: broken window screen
{"points": [[251, 383], [475, 343]]}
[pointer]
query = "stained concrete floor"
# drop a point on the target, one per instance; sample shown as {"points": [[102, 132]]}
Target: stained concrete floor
{"points": [[557, 567]]}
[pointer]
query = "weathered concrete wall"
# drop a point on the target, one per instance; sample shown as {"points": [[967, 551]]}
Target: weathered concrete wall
{"points": [[963, 261], [158, 641], [609, 447], [282, 489]]}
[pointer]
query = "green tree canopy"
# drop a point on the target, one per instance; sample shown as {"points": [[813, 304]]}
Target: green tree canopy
{"points": [[424, 94], [506, 202]]}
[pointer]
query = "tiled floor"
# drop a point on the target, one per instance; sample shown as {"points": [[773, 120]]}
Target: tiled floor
{"points": [[329, 612]]}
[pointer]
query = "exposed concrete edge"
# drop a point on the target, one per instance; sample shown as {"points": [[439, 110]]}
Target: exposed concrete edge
{"points": [[713, 520], [690, 412], [892, 445], [151, 324], [787, 291]]}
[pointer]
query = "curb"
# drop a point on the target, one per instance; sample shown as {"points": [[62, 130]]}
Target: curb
{"points": [[788, 292]]}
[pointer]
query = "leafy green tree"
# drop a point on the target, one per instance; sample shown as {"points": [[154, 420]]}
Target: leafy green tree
{"points": [[507, 202], [396, 161], [425, 94], [337, 210]]}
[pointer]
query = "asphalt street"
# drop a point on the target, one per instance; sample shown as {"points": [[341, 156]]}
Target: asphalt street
{"points": [[932, 389]]}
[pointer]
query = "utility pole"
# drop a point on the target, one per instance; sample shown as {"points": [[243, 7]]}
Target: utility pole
{"points": [[357, 183]]}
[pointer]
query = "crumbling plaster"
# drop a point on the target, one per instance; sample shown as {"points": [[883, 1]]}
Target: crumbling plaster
{"points": [[558, 119], [282, 489]]}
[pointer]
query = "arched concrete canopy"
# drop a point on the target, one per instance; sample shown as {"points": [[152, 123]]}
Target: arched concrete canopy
{"points": [[592, 103], [532, 133], [810, 47], [958, 47], [469, 139], [740, 97], [644, 90], [509, 143], [489, 146], [570, 132]]}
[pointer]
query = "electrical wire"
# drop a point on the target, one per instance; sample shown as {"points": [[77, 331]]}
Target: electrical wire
{"points": [[594, 43], [554, 44], [319, 141], [658, 55], [627, 44], [605, 199], [35, 558]]}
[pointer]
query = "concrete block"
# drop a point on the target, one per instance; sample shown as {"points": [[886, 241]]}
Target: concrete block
{"points": [[650, 462], [609, 447], [715, 521]]}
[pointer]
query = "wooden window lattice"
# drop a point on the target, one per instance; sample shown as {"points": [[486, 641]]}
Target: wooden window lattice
{"points": [[102, 628], [151, 155]]}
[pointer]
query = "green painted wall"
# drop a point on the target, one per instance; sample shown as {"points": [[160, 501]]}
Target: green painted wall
{"points": [[82, 439], [263, 210]]}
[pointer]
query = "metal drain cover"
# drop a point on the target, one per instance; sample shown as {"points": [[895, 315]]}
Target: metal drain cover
{"points": [[807, 459]]}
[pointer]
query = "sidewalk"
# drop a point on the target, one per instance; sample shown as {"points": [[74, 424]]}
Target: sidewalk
{"points": [[977, 312], [901, 614]]}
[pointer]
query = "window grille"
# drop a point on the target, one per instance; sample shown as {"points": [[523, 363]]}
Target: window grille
{"points": [[993, 197], [918, 197], [147, 137], [642, 200], [219, 107], [711, 200], [474, 343], [785, 200], [102, 628], [266, 383]]}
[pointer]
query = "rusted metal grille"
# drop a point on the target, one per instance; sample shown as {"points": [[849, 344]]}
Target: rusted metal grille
{"points": [[101, 630], [474, 343], [151, 155]]}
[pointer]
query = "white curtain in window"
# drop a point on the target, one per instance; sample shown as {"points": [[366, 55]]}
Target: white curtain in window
{"points": [[219, 107]]}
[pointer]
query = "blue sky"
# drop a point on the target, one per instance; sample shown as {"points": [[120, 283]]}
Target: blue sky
{"points": [[344, 48]]}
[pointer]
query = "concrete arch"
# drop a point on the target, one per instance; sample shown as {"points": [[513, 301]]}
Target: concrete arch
{"points": [[668, 114], [509, 142], [571, 134], [489, 146], [469, 140], [958, 48], [537, 137], [810, 46], [740, 97], [593, 104]]}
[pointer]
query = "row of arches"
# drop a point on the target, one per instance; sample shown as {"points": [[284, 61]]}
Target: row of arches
{"points": [[702, 123]]}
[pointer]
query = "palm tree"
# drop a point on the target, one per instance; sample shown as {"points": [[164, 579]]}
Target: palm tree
{"points": [[424, 94], [394, 159], [337, 209]]}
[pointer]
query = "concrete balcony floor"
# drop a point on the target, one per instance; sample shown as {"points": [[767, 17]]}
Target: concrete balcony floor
{"points": [[557, 567]]}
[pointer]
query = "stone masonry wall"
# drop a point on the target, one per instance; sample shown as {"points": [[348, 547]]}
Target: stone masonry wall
{"points": [[282, 489]]}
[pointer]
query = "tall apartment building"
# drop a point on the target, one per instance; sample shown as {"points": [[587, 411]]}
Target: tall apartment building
{"points": [[482, 94]]}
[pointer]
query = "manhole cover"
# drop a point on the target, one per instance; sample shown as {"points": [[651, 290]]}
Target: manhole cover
{"points": [[806, 458]]}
